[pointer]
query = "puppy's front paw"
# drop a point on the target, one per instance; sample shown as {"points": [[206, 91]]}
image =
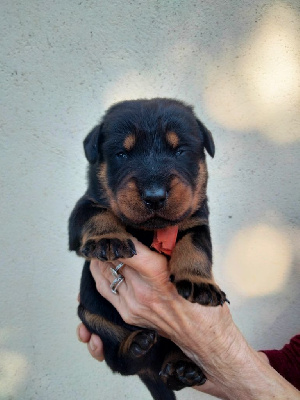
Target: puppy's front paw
{"points": [[108, 249], [180, 374], [207, 294]]}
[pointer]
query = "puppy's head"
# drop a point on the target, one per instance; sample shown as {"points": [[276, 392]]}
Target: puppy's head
{"points": [[149, 159]]}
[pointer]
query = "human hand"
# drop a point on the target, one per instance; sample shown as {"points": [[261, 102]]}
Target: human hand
{"points": [[148, 299], [146, 296]]}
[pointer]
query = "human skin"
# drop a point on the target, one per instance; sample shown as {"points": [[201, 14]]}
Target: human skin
{"points": [[207, 335]]}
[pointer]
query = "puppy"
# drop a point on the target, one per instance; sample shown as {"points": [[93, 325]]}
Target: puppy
{"points": [[147, 175]]}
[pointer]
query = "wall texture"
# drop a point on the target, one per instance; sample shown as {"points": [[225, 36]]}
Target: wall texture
{"points": [[62, 64]]}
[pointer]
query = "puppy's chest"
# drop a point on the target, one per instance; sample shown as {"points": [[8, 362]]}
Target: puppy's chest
{"points": [[161, 240]]}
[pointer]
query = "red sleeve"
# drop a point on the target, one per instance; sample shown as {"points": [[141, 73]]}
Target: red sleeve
{"points": [[287, 361]]}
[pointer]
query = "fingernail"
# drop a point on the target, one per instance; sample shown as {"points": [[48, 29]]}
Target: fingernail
{"points": [[78, 333], [93, 346]]}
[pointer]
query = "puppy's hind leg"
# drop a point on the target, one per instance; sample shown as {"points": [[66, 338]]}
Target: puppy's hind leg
{"points": [[156, 387], [178, 371], [125, 351]]}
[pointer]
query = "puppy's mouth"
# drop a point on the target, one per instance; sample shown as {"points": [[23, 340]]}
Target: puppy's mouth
{"points": [[155, 221]]}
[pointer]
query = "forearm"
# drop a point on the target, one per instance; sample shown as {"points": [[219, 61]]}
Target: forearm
{"points": [[211, 339]]}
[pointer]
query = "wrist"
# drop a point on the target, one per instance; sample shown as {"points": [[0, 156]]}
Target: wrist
{"points": [[210, 338]]}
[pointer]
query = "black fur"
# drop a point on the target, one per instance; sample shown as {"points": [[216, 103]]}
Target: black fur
{"points": [[161, 174]]}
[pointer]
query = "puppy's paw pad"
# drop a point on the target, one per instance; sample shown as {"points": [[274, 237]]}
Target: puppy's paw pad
{"points": [[142, 343], [180, 374]]}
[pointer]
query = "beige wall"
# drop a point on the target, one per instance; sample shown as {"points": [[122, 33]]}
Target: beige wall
{"points": [[63, 63]]}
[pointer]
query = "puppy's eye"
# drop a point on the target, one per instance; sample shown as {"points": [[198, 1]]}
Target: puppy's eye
{"points": [[121, 154], [179, 152]]}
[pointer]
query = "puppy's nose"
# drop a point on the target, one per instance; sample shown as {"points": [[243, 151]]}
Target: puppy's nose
{"points": [[155, 197]]}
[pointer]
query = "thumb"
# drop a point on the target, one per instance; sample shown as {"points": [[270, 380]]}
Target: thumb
{"points": [[148, 263]]}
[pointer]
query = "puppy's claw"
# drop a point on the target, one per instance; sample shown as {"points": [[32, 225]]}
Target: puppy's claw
{"points": [[132, 247]]}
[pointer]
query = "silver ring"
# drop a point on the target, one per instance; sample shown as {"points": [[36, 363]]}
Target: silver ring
{"points": [[114, 271], [117, 282]]}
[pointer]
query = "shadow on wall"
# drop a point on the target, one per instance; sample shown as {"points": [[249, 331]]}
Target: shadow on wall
{"points": [[252, 85], [257, 86], [13, 367], [259, 259]]}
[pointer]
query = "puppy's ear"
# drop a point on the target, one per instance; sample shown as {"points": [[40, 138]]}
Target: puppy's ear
{"points": [[91, 144], [208, 139]]}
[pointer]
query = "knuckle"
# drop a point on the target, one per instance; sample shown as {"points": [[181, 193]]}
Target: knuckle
{"points": [[131, 309], [144, 296], [127, 317], [99, 286]]}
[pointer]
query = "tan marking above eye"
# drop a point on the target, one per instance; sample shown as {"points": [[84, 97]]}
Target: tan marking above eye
{"points": [[129, 142], [172, 139]]}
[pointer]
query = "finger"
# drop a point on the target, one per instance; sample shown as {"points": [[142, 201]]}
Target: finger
{"points": [[83, 334], [95, 347], [118, 266], [125, 270], [98, 269], [147, 262], [103, 277], [102, 272]]}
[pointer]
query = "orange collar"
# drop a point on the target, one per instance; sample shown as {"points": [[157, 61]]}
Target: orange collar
{"points": [[165, 239]]}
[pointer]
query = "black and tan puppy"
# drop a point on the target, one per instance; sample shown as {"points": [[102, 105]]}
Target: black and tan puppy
{"points": [[147, 172]]}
